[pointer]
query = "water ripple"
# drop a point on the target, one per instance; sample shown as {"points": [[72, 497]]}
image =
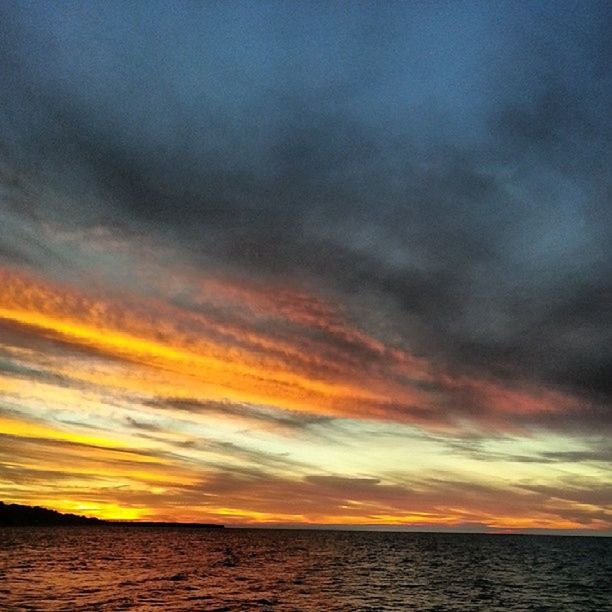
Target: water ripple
{"points": [[123, 568]]}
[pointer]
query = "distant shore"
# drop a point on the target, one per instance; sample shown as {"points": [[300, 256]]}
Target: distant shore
{"points": [[18, 515]]}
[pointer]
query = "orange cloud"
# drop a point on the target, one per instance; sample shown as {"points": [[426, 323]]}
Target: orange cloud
{"points": [[324, 366]]}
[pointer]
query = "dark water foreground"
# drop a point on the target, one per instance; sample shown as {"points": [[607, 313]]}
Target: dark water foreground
{"points": [[127, 568]]}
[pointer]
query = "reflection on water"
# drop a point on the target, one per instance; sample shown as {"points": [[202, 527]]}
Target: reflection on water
{"points": [[128, 568]]}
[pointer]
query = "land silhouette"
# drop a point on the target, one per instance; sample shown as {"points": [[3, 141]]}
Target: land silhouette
{"points": [[18, 515]]}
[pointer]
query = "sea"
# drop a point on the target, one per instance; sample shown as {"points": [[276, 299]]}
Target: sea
{"points": [[148, 568]]}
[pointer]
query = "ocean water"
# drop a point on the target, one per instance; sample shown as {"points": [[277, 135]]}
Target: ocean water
{"points": [[131, 568]]}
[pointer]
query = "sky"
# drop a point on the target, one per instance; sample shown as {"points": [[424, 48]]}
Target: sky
{"points": [[308, 263]]}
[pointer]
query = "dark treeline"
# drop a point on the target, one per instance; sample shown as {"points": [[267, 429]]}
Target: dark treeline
{"points": [[16, 514], [19, 515]]}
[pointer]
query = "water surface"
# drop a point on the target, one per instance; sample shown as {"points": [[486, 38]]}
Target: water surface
{"points": [[131, 568]]}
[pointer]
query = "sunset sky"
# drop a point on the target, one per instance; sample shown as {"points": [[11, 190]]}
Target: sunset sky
{"points": [[323, 263]]}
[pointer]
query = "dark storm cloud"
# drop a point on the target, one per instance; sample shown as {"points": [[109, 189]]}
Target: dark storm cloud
{"points": [[444, 167]]}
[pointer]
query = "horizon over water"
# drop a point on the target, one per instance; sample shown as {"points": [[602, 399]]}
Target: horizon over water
{"points": [[120, 567], [466, 529]]}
